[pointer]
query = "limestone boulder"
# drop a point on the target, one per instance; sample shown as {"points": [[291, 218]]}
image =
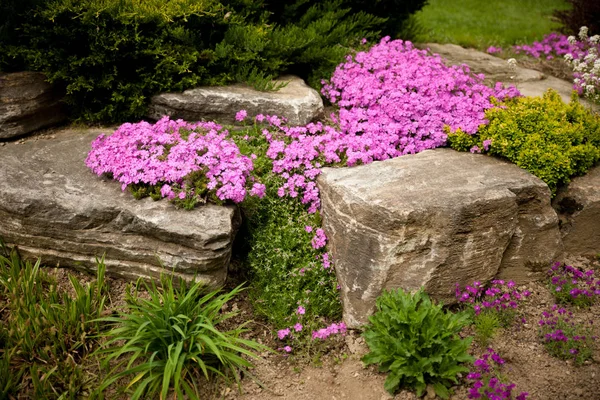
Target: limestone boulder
{"points": [[52, 206], [529, 82], [27, 103], [578, 206], [495, 68], [297, 102], [434, 219]]}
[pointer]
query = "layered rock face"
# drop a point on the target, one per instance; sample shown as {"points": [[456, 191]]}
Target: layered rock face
{"points": [[434, 219], [578, 206], [529, 82], [52, 206], [297, 102], [27, 103]]}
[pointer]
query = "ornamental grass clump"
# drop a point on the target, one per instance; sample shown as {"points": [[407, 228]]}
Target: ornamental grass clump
{"points": [[189, 163], [487, 383], [570, 285], [175, 339], [563, 337], [416, 342], [46, 334]]}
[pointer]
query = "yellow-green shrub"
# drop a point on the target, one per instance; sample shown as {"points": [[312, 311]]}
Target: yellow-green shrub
{"points": [[552, 140]]}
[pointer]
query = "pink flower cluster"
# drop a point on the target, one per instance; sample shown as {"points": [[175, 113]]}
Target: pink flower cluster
{"points": [[332, 329], [569, 284], [165, 153], [494, 50], [500, 295], [486, 385], [552, 45], [398, 99], [394, 100]]}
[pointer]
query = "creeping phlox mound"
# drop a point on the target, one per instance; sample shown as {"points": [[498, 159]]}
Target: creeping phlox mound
{"points": [[175, 159], [394, 100]]}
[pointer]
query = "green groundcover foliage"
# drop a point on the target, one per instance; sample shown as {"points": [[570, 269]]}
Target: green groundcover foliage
{"points": [[543, 135], [112, 55]]}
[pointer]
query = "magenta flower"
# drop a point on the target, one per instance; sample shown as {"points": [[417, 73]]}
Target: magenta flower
{"points": [[241, 115], [494, 50], [298, 327], [164, 154], [283, 333], [319, 240], [301, 310]]}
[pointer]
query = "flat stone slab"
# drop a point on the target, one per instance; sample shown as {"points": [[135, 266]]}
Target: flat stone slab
{"points": [[529, 82], [52, 206], [297, 102], [578, 206], [27, 103], [434, 219]]}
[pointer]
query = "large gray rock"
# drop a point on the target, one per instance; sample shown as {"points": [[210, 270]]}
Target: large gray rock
{"points": [[529, 82], [27, 103], [434, 219], [494, 68], [578, 206], [52, 206], [297, 102]]}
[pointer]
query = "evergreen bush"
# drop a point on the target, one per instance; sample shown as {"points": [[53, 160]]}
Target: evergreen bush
{"points": [[113, 55]]}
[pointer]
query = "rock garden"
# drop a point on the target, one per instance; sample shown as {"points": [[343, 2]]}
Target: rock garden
{"points": [[251, 200]]}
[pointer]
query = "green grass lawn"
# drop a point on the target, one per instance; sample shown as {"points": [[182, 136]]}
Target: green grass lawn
{"points": [[482, 23]]}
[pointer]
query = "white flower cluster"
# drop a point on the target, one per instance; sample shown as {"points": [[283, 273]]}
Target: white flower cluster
{"points": [[586, 65]]}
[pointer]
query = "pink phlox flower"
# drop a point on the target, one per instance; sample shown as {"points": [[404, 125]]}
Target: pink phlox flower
{"points": [[241, 115], [283, 333]]}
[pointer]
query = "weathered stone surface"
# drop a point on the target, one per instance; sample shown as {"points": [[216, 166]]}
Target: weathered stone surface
{"points": [[529, 82], [52, 206], [495, 68], [433, 219], [27, 103], [297, 102], [578, 206]]}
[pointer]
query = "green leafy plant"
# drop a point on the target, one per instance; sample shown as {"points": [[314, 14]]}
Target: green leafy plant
{"points": [[486, 326], [172, 339], [48, 332], [416, 342], [543, 135]]}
